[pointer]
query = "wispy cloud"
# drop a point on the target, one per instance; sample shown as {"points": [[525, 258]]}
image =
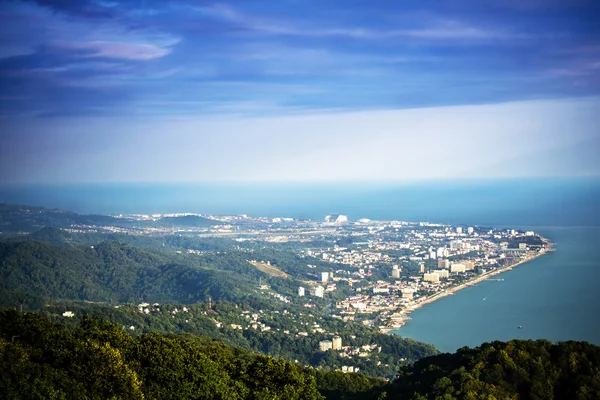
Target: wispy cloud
{"points": [[446, 30], [123, 50]]}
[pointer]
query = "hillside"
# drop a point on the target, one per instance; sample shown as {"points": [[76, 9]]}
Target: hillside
{"points": [[95, 360], [115, 272]]}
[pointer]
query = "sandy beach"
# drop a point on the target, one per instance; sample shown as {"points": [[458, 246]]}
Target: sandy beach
{"points": [[430, 299]]}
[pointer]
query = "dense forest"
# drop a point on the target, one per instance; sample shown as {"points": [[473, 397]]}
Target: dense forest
{"points": [[112, 271], [99, 360], [43, 360]]}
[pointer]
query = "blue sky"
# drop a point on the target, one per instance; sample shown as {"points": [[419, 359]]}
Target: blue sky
{"points": [[194, 90]]}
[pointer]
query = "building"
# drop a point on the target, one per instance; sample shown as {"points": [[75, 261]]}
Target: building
{"points": [[422, 268], [457, 268], [442, 273], [408, 293], [336, 219], [469, 265], [381, 290], [301, 291], [336, 343], [442, 252], [459, 230], [396, 273], [324, 276], [431, 277], [443, 264], [470, 230], [318, 291], [325, 345], [522, 246], [432, 254]]}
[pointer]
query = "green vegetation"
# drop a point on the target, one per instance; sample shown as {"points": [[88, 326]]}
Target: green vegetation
{"points": [[512, 370], [98, 360], [40, 359], [233, 324], [114, 272]]}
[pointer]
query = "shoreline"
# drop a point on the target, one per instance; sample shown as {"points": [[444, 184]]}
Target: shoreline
{"points": [[450, 291]]}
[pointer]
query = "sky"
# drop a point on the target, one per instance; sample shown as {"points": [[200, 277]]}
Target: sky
{"points": [[290, 90]]}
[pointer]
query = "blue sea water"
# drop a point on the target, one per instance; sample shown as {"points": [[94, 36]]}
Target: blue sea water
{"points": [[554, 297]]}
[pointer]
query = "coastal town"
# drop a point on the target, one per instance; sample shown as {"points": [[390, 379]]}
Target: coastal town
{"points": [[374, 272]]}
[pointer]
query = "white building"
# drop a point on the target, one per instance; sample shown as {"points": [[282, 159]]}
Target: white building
{"points": [[396, 273], [443, 264], [459, 230], [470, 230], [325, 345], [336, 343], [431, 277], [381, 290], [442, 273], [318, 291], [324, 277], [458, 268], [301, 291]]}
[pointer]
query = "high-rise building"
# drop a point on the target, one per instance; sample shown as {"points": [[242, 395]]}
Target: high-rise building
{"points": [[470, 230], [318, 291], [432, 254], [469, 265], [336, 343], [431, 277], [457, 268], [325, 345], [324, 276], [442, 273], [301, 291], [443, 264], [396, 273], [421, 268], [459, 230]]}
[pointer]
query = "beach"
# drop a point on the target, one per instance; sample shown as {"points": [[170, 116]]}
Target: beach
{"points": [[405, 312]]}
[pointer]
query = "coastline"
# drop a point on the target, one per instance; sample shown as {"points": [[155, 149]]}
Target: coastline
{"points": [[404, 313]]}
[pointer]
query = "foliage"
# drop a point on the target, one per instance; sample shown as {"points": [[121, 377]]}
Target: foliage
{"points": [[39, 359], [512, 370], [115, 272]]}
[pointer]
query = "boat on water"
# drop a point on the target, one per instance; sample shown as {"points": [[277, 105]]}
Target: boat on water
{"points": [[520, 327]]}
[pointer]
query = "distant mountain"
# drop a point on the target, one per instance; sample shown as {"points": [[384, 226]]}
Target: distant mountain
{"points": [[26, 219], [17, 218]]}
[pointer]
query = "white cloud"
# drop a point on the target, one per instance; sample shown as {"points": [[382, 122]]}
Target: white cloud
{"points": [[122, 50], [502, 140]]}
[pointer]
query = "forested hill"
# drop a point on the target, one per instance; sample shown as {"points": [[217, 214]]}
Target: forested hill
{"points": [[40, 359], [512, 370], [115, 272]]}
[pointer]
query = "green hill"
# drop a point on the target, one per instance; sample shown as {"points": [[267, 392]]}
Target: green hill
{"points": [[116, 272], [94, 360]]}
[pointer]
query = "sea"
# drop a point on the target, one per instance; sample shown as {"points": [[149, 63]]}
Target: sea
{"points": [[554, 297]]}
